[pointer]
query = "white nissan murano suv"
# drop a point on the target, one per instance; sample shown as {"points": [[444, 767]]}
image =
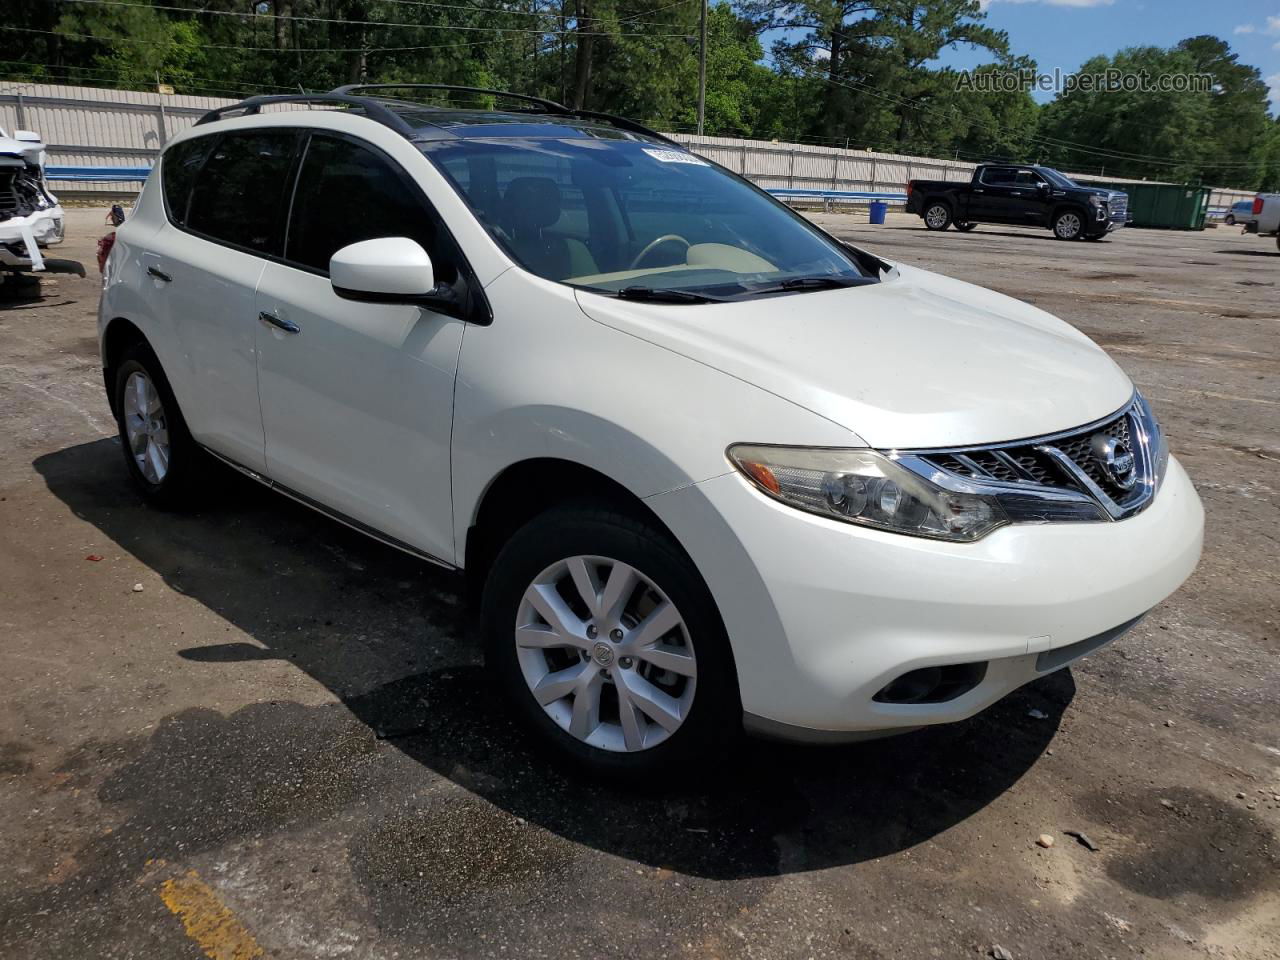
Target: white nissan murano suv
{"points": [[711, 468]]}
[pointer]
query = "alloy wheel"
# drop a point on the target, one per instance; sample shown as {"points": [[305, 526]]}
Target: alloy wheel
{"points": [[936, 216], [146, 427], [1068, 226], [606, 653]]}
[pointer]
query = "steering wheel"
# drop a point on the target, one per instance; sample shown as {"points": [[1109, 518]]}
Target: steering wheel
{"points": [[654, 244]]}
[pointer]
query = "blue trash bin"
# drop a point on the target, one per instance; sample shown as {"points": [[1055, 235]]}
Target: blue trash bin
{"points": [[878, 209]]}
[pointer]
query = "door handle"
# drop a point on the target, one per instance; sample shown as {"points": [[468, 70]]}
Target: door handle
{"points": [[288, 326], [159, 274], [978, 190]]}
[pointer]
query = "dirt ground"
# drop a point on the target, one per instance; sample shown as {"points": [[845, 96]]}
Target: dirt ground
{"points": [[281, 742]]}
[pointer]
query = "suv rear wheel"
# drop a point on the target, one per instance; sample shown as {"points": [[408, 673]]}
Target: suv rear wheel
{"points": [[162, 459], [607, 643], [937, 216]]}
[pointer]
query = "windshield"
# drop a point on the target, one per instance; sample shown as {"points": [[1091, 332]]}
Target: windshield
{"points": [[639, 219], [1058, 179]]}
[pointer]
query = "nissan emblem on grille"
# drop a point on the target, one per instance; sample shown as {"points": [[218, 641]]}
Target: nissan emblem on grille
{"points": [[1116, 460], [1106, 470]]}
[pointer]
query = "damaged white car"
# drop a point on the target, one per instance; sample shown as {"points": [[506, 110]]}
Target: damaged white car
{"points": [[30, 216]]}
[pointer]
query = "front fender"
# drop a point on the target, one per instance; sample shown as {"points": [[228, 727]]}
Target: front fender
{"points": [[544, 380]]}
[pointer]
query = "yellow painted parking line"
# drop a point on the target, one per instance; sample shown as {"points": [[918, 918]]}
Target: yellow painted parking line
{"points": [[207, 921]]}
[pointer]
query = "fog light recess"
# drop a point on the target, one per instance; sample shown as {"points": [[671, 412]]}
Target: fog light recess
{"points": [[933, 684]]}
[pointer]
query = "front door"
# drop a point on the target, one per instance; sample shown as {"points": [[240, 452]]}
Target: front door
{"points": [[357, 398]]}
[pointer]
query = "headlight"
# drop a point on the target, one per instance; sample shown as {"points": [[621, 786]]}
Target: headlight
{"points": [[1096, 200], [1152, 438], [866, 488]]}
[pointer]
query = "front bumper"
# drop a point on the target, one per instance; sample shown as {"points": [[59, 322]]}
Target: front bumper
{"points": [[822, 615], [21, 238]]}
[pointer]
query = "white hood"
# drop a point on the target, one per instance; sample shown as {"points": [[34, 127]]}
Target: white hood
{"points": [[31, 151], [917, 361]]}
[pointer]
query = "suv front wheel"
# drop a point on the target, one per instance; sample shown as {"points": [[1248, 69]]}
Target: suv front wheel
{"points": [[1068, 225], [607, 643]]}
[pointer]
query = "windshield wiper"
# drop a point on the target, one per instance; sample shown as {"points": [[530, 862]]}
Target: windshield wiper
{"points": [[661, 295], [822, 282]]}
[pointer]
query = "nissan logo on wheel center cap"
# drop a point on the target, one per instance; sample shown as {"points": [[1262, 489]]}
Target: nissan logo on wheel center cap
{"points": [[603, 653], [1116, 460]]}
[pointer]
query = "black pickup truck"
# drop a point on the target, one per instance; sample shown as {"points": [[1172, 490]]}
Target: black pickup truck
{"points": [[1027, 194]]}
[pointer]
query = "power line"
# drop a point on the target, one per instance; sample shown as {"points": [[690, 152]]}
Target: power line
{"points": [[527, 13], [288, 50], [105, 71], [373, 23], [113, 81]]}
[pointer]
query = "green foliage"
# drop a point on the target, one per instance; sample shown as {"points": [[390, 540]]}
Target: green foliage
{"points": [[1223, 136], [862, 73]]}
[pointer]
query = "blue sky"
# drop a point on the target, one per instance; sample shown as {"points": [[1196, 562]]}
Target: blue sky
{"points": [[1065, 33]]}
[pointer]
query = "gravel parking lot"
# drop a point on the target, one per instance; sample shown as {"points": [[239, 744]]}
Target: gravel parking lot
{"points": [[252, 732]]}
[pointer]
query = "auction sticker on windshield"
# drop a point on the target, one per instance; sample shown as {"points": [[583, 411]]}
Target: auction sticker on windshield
{"points": [[675, 156]]}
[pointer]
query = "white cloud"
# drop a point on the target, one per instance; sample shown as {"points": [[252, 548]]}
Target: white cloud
{"points": [[1244, 28], [1273, 24], [1273, 82]]}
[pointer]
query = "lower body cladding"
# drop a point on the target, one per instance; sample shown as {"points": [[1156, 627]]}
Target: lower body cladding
{"points": [[841, 632]]}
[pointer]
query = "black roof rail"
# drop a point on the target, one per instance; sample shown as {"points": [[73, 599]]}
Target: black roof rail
{"points": [[622, 123], [372, 108], [548, 106], [376, 108]]}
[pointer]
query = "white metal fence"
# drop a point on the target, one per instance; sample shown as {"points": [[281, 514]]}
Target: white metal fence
{"points": [[89, 126]]}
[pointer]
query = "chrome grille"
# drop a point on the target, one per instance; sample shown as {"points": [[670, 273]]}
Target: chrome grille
{"points": [[1119, 206], [1114, 464]]}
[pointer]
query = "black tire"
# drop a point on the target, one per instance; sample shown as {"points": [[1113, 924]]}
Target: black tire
{"points": [[598, 529], [180, 485], [1068, 225], [1231, 220], [965, 227], [937, 215]]}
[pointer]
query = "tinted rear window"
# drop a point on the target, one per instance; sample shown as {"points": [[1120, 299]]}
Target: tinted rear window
{"points": [[178, 172], [241, 193]]}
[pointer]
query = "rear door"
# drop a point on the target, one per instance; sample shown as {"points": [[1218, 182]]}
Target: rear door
{"points": [[988, 196], [226, 214], [357, 398]]}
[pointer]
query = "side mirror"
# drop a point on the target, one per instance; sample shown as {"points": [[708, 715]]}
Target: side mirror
{"points": [[1041, 185], [389, 270]]}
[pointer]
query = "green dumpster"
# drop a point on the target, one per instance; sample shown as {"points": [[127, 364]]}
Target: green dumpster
{"points": [[1170, 206]]}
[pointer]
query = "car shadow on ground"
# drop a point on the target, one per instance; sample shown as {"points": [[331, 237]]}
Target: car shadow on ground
{"points": [[23, 291], [389, 636], [1030, 233]]}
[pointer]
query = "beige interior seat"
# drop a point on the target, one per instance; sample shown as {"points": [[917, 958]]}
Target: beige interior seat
{"points": [[532, 206]]}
